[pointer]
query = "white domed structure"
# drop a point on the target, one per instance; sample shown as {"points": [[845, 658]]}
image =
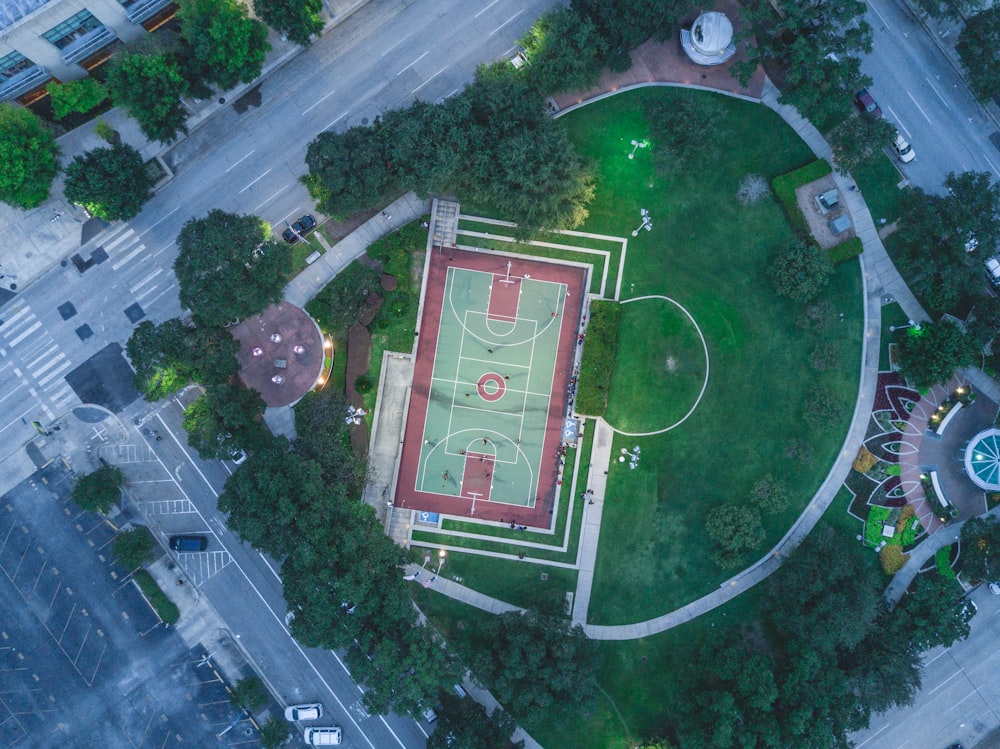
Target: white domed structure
{"points": [[709, 41]]}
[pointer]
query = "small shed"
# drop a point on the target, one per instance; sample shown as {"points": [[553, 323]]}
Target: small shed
{"points": [[828, 200], [840, 224]]}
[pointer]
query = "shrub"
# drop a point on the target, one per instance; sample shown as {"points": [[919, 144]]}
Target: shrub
{"points": [[892, 558], [736, 529], [784, 189], [942, 560], [823, 405], [865, 460], [105, 132], [770, 494], [825, 354], [165, 608], [799, 271], [598, 363], [873, 525], [76, 96], [845, 250], [363, 383]]}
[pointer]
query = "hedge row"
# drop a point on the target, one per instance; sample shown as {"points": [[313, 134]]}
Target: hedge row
{"points": [[165, 608], [784, 186], [598, 361], [845, 250]]}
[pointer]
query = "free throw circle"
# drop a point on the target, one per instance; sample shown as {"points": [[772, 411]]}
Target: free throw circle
{"points": [[491, 387]]}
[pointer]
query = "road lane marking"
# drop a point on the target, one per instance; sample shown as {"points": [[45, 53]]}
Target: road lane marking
{"points": [[957, 673], [899, 124], [337, 120], [316, 103], [247, 187], [919, 107], [18, 419], [994, 167], [429, 79], [163, 218], [937, 92], [486, 8], [881, 17], [390, 49], [272, 197], [413, 63], [506, 22], [241, 161]]}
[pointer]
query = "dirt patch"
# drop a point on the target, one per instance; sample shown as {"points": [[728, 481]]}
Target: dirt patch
{"points": [[805, 197], [671, 363], [388, 282]]}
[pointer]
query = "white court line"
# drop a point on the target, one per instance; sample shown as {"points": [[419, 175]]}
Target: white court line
{"points": [[429, 80], [506, 22], [920, 108], [128, 258], [317, 103], [146, 280], [486, 8], [242, 159], [25, 334], [413, 63], [251, 184]]}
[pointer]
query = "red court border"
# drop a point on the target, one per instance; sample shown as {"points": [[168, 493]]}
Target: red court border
{"points": [[575, 279]]}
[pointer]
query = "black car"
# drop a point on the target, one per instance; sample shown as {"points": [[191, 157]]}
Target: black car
{"points": [[299, 229], [188, 543]]}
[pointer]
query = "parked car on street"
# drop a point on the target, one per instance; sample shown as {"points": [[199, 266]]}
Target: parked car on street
{"points": [[903, 149], [308, 711], [326, 736], [866, 103], [299, 228]]}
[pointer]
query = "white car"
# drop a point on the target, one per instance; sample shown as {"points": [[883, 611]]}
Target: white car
{"points": [[326, 736], [903, 149], [310, 711]]}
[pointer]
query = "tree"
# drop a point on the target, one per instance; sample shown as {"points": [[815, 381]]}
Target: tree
{"points": [[799, 271], [349, 171], [211, 353], [341, 302], [225, 419], [770, 494], [943, 239], [930, 354], [857, 139], [132, 547], [100, 490], [150, 87], [29, 158], [979, 50], [823, 405], [532, 661], [735, 529], [76, 96], [565, 52], [464, 724], [111, 183], [980, 540], [274, 733], [228, 267], [231, 45], [825, 593], [323, 437], [626, 24], [955, 10], [677, 127], [933, 612], [298, 20], [159, 356], [276, 499], [249, 693]]}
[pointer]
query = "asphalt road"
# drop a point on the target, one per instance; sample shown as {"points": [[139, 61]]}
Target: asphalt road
{"points": [[920, 92]]}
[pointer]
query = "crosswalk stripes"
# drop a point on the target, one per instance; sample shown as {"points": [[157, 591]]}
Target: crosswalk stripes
{"points": [[45, 363]]}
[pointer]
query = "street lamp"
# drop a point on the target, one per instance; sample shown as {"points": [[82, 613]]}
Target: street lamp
{"points": [[441, 555], [910, 324], [637, 144], [647, 222]]}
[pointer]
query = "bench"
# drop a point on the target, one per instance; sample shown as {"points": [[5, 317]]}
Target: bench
{"points": [[947, 418], [937, 490]]}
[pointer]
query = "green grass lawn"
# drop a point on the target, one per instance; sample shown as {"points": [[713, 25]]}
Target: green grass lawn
{"points": [[710, 254], [878, 179]]}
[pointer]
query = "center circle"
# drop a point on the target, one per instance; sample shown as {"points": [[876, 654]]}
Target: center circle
{"points": [[491, 387], [661, 372]]}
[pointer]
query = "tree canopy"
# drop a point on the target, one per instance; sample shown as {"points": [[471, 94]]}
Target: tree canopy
{"points": [[298, 20], [29, 158], [857, 139], [944, 239], [168, 356], [736, 530], [933, 612], [799, 271], [230, 45], [464, 724], [76, 96], [228, 267], [979, 50], [678, 132], [132, 547], [225, 419], [626, 24], [149, 87], [320, 415], [100, 490], [111, 183], [565, 52], [981, 548], [931, 354]]}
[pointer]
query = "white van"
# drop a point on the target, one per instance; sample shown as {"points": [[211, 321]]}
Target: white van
{"points": [[326, 736]]}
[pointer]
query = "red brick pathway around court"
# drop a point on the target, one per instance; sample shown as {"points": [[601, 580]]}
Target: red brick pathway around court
{"points": [[665, 62], [475, 478]]}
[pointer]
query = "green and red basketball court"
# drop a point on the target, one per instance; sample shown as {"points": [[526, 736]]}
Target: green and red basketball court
{"points": [[494, 359]]}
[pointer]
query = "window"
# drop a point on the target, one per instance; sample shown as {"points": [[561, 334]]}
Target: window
{"points": [[73, 28], [13, 65]]}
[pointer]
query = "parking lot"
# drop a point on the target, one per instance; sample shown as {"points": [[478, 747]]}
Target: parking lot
{"points": [[84, 661]]}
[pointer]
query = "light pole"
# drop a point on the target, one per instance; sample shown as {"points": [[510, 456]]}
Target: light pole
{"points": [[647, 222], [910, 324], [441, 555], [636, 145]]}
